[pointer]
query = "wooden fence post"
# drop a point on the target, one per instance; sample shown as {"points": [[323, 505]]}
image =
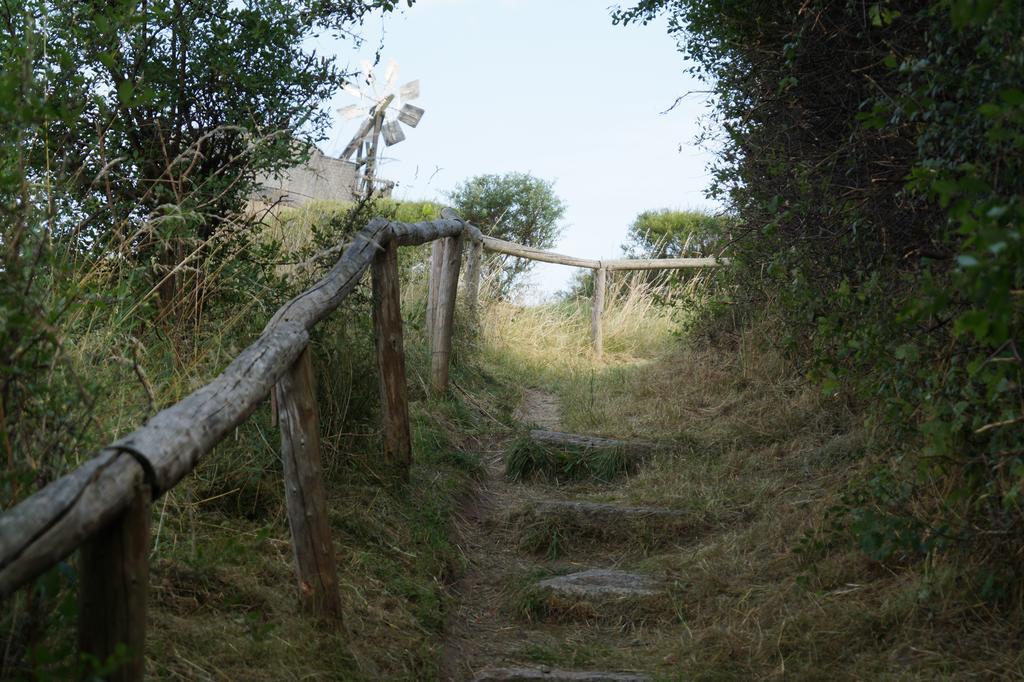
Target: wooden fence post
{"points": [[113, 585], [304, 490], [597, 307], [441, 343], [387, 327], [433, 281], [473, 281]]}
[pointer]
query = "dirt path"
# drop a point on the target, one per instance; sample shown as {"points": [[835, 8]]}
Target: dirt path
{"points": [[490, 633], [480, 628]]}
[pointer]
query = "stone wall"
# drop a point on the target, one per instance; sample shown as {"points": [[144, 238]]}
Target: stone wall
{"points": [[322, 178]]}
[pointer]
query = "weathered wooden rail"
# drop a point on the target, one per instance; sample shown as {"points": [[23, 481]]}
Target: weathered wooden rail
{"points": [[600, 268], [103, 507]]}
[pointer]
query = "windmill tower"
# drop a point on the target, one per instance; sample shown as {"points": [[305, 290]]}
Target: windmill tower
{"points": [[383, 109]]}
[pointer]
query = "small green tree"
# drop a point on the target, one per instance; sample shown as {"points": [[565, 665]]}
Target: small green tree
{"points": [[662, 233], [516, 207], [666, 233]]}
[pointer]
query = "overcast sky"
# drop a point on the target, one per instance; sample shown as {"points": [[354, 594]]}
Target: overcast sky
{"points": [[548, 88]]}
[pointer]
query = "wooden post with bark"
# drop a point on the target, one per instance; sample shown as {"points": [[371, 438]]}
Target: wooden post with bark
{"points": [[433, 281], [387, 327], [596, 333], [304, 490], [473, 281], [441, 342], [113, 585]]}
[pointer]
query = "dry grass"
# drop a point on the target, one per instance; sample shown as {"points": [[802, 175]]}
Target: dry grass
{"points": [[554, 338], [224, 598], [225, 603], [760, 457]]}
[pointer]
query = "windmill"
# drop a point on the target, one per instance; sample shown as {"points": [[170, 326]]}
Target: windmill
{"points": [[383, 109]]}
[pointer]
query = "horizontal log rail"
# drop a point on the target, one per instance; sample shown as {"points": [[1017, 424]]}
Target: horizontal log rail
{"points": [[100, 501], [501, 246], [509, 248], [601, 269]]}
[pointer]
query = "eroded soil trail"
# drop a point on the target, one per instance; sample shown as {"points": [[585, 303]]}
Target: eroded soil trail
{"points": [[495, 632], [479, 628]]}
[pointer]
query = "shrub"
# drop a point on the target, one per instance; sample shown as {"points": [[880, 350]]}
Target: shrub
{"points": [[873, 156]]}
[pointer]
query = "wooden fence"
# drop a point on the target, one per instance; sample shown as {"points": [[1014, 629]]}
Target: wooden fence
{"points": [[103, 507], [600, 268]]}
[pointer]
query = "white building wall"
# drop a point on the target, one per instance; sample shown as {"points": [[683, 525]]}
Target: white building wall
{"points": [[321, 179]]}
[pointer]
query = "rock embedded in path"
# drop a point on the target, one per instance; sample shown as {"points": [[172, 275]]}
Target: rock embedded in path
{"points": [[579, 440], [605, 511], [602, 582], [539, 408], [603, 594], [553, 675]]}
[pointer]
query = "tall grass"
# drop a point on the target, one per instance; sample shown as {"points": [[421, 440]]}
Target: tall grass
{"points": [[224, 602], [771, 587], [555, 337]]}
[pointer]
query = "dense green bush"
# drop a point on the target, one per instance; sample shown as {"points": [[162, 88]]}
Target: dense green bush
{"points": [[873, 153]]}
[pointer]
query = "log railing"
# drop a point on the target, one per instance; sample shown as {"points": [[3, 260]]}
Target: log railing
{"points": [[600, 268], [103, 507]]}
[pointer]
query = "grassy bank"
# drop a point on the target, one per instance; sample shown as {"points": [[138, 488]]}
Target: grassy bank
{"points": [[224, 596], [766, 583], [223, 601]]}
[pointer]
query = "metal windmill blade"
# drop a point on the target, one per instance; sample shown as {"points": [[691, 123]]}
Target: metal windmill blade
{"points": [[393, 133], [390, 75], [366, 67], [353, 111], [409, 91], [410, 115], [353, 90]]}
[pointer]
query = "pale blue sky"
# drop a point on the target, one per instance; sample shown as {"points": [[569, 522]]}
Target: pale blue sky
{"points": [[547, 87]]}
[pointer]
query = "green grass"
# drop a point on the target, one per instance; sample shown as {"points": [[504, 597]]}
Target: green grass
{"points": [[547, 537], [226, 605], [760, 456], [529, 460], [224, 598]]}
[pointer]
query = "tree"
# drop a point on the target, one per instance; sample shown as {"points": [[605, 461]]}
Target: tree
{"points": [[161, 113], [662, 233], [516, 207], [131, 133], [666, 233]]}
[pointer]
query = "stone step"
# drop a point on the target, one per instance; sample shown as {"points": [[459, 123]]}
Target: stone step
{"points": [[553, 526], [539, 408], [553, 675], [602, 594], [603, 582], [579, 440]]}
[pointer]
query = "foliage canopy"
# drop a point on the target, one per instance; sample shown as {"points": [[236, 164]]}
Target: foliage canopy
{"points": [[668, 233], [131, 135], [516, 207], [873, 153]]}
